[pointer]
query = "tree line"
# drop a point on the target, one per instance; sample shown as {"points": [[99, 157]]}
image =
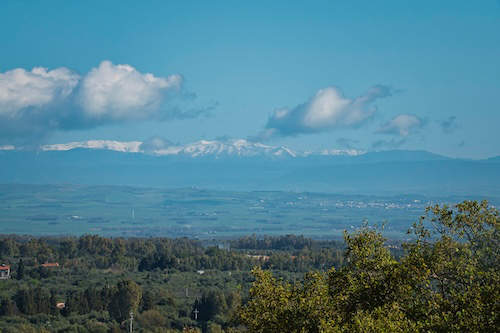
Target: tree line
{"points": [[290, 253]]}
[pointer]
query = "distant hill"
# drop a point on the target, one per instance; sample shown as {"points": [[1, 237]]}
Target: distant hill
{"points": [[495, 159], [400, 156], [243, 165]]}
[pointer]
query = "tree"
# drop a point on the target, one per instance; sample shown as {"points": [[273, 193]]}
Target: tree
{"points": [[457, 255], [149, 300], [68, 248], [448, 280], [8, 247], [211, 304], [20, 270], [8, 307], [277, 306], [53, 303], [25, 301], [126, 298], [150, 319]]}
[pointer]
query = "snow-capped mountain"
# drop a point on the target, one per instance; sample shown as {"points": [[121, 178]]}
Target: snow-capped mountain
{"points": [[337, 152], [202, 148], [233, 147], [247, 165], [7, 147], [126, 147]]}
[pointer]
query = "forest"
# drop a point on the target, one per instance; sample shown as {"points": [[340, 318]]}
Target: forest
{"points": [[443, 278]]}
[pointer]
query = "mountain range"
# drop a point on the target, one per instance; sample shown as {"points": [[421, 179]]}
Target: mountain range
{"points": [[215, 148], [239, 164]]}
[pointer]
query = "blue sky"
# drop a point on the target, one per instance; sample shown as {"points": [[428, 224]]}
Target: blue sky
{"points": [[310, 75]]}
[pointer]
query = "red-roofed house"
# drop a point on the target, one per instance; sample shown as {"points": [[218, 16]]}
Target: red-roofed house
{"points": [[50, 264], [4, 272]]}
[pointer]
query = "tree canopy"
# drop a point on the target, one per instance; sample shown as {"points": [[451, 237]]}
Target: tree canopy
{"points": [[446, 281]]}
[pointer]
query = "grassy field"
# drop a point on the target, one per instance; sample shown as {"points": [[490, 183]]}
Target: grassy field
{"points": [[129, 211]]}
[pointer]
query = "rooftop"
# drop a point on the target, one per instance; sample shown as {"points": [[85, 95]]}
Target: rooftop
{"points": [[50, 264]]}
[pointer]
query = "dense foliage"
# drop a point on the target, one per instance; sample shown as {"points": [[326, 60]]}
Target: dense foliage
{"points": [[148, 254], [446, 281], [163, 281]]}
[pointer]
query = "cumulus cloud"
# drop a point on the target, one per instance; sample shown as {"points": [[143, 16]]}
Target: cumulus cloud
{"points": [[449, 125], [402, 125], [32, 102], [35, 103], [121, 92], [328, 109], [35, 89]]}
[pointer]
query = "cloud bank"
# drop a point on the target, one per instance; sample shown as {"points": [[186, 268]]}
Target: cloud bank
{"points": [[328, 109], [35, 103]]}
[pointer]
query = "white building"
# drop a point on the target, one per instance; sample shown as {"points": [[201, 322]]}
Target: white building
{"points": [[4, 272]]}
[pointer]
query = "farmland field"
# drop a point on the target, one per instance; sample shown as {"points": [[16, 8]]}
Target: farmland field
{"points": [[121, 211]]}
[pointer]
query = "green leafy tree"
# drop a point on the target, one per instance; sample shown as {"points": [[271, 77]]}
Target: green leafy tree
{"points": [[8, 247], [211, 304], [126, 298], [8, 307], [20, 270], [278, 306], [448, 280], [457, 256], [25, 301]]}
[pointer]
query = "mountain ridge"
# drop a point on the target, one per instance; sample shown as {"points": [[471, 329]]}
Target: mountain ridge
{"points": [[387, 172], [227, 148]]}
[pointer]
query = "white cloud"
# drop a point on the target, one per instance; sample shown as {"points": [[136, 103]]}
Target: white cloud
{"points": [[21, 89], [35, 103], [402, 125], [327, 110], [121, 92]]}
